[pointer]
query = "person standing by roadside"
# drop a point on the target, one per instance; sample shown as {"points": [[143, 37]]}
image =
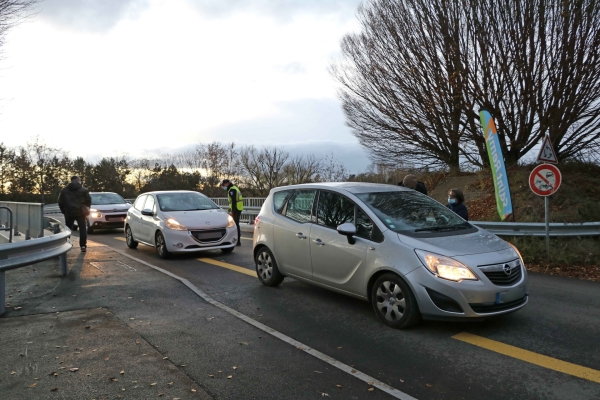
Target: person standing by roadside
{"points": [[236, 205], [456, 200], [411, 182], [74, 202]]}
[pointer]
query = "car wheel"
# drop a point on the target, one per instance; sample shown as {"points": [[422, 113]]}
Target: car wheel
{"points": [[161, 246], [394, 302], [228, 249], [87, 226], [266, 268], [131, 243]]}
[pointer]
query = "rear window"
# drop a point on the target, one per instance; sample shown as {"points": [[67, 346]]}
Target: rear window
{"points": [[279, 199]]}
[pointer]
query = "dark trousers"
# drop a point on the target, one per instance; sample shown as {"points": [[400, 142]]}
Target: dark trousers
{"points": [[236, 217], [69, 220]]}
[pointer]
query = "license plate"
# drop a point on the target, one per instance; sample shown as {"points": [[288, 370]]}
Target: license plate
{"points": [[116, 219], [500, 297]]}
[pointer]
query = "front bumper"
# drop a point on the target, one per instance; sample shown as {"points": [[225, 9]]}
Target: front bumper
{"points": [[443, 299], [107, 221], [184, 241]]}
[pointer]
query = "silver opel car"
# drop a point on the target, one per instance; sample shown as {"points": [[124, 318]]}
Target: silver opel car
{"points": [[407, 254]]}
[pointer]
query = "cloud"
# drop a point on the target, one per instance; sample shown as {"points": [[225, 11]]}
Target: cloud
{"points": [[91, 15], [282, 10], [291, 68]]}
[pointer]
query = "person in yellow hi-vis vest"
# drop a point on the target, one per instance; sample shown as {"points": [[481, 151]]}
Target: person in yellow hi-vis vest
{"points": [[236, 204]]}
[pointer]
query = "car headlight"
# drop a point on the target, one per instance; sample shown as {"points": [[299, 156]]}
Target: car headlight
{"points": [[230, 222], [517, 253], [95, 213], [445, 267], [176, 226]]}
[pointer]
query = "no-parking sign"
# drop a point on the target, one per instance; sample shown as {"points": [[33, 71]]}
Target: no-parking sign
{"points": [[545, 179]]}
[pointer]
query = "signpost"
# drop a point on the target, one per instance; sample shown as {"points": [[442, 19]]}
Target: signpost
{"points": [[544, 181]]}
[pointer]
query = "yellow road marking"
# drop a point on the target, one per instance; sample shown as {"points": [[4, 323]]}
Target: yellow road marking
{"points": [[530, 357], [229, 266], [122, 239]]}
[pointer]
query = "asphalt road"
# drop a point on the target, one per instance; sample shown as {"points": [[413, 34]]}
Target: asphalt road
{"points": [[548, 350]]}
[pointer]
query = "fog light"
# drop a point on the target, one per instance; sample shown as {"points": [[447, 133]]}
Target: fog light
{"points": [[179, 245], [234, 240]]}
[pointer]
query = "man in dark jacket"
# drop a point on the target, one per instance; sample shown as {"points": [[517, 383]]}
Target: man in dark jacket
{"points": [[236, 204], [411, 182], [71, 201]]}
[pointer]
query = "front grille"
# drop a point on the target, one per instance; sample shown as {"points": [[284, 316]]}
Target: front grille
{"points": [[482, 308], [115, 217], [208, 235], [504, 274]]}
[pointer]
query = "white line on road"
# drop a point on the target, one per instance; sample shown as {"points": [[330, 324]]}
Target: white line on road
{"points": [[300, 346]]}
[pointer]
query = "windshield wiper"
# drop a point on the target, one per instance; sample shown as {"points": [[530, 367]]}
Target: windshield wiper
{"points": [[442, 228]]}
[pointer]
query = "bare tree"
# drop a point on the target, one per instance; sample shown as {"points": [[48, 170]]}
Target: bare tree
{"points": [[264, 168], [11, 13], [302, 169], [402, 81]]}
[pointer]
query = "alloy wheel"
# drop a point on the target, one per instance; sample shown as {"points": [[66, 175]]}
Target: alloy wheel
{"points": [[264, 264]]}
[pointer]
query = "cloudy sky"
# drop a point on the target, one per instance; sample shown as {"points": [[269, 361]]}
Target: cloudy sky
{"points": [[101, 77]]}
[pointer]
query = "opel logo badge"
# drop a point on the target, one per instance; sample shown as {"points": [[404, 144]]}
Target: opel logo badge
{"points": [[506, 269]]}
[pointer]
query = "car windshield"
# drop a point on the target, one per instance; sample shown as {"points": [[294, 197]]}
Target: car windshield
{"points": [[410, 212], [184, 202], [101, 199]]}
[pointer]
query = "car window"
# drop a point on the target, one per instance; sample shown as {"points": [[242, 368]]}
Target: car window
{"points": [[279, 200], [150, 203], [334, 209], [411, 213], [101, 199], [139, 202], [185, 201], [299, 206], [364, 225]]}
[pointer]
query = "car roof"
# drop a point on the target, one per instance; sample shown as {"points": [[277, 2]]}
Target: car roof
{"points": [[351, 187], [105, 193], [171, 192]]}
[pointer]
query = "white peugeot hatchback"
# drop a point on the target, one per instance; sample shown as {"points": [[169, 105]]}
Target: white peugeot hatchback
{"points": [[179, 221], [407, 254]]}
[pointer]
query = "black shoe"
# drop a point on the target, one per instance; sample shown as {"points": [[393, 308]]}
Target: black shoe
{"points": [[239, 243], [83, 249]]}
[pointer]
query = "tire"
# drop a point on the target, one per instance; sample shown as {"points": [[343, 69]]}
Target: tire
{"points": [[228, 249], [87, 226], [394, 302], [266, 268], [131, 243], [161, 246]]}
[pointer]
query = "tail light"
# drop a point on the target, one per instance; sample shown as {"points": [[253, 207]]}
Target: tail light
{"points": [[256, 220]]}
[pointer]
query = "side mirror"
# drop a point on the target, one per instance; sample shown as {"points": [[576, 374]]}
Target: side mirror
{"points": [[148, 212], [348, 230]]}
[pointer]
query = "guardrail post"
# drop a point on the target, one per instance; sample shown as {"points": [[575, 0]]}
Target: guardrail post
{"points": [[63, 264], [2, 293]]}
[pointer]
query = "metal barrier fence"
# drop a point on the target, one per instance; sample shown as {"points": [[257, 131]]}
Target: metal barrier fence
{"points": [[252, 207], [27, 218], [21, 254]]}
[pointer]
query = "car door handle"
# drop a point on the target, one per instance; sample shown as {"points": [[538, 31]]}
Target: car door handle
{"points": [[299, 235], [318, 242]]}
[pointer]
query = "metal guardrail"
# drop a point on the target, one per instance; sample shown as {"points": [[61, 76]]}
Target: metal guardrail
{"points": [[9, 228], [539, 228], [21, 254], [252, 206], [27, 218]]}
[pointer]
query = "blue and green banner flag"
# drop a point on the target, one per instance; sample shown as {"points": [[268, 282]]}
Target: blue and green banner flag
{"points": [[503, 202]]}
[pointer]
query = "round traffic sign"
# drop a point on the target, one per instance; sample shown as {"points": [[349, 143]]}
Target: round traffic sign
{"points": [[545, 179]]}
